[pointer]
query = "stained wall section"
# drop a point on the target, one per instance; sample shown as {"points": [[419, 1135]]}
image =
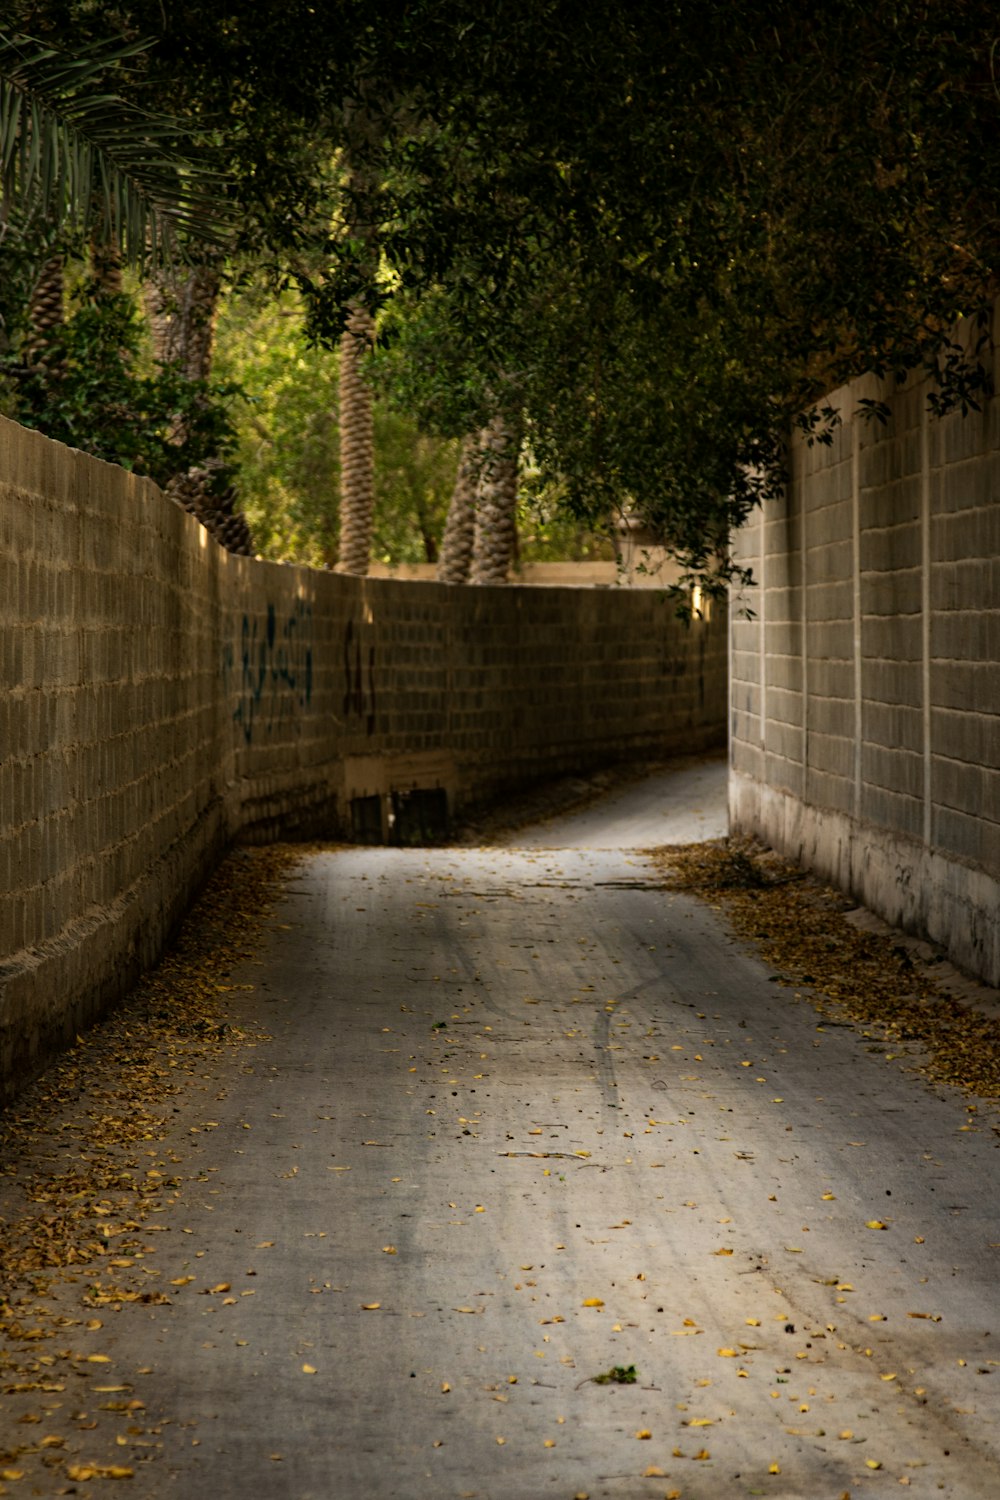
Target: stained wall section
{"points": [[162, 698]]}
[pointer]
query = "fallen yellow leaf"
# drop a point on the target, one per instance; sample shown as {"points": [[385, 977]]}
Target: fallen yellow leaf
{"points": [[726, 1353], [643, 1433], [875, 1224], [593, 1302], [82, 1472], [653, 1472], [309, 1369], [370, 1306], [774, 1468]]}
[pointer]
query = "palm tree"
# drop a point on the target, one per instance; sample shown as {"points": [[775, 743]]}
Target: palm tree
{"points": [[362, 126], [78, 161], [181, 303], [496, 522], [77, 155], [45, 310], [357, 445], [460, 528]]}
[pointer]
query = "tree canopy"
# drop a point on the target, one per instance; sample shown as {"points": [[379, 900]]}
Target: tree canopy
{"points": [[665, 231], [677, 227]]}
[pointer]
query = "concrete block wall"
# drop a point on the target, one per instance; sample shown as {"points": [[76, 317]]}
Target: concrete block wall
{"points": [[161, 698], [111, 791], [865, 695]]}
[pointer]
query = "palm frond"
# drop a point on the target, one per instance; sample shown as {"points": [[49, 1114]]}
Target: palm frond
{"points": [[77, 153]]}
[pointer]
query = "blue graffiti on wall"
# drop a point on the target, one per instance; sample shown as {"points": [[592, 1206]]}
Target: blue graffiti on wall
{"points": [[274, 670]]}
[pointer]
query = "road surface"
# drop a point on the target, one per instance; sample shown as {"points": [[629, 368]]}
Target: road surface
{"points": [[681, 804], [526, 1118]]}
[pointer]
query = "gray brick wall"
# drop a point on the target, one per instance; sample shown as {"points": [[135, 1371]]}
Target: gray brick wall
{"points": [[161, 697], [892, 536]]}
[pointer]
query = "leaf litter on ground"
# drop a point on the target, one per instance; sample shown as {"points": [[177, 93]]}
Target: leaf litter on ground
{"points": [[82, 1173], [801, 927]]}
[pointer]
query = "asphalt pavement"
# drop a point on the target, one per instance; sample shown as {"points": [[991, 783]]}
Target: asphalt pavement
{"points": [[542, 1187]]}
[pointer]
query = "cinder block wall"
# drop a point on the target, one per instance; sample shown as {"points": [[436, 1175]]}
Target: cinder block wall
{"points": [[865, 695], [161, 698]]}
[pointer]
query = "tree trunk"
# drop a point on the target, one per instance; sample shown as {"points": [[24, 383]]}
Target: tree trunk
{"points": [[45, 313], [363, 117], [106, 267], [460, 528], [182, 318], [496, 523], [357, 447]]}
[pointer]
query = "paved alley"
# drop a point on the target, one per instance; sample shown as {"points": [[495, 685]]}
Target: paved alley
{"points": [[541, 1188]]}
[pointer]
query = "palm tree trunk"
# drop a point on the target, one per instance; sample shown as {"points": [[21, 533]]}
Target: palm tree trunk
{"points": [[182, 313], [106, 267], [357, 446], [460, 528], [45, 313], [182, 318], [496, 523]]}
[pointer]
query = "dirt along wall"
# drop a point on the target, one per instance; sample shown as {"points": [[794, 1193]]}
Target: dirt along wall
{"points": [[162, 698]]}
